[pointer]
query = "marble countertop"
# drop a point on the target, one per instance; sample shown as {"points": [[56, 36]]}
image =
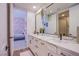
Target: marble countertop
{"points": [[67, 44]]}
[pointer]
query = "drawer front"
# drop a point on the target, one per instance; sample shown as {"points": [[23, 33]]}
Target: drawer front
{"points": [[43, 51], [61, 52], [51, 53], [35, 51], [34, 46], [51, 47], [65, 52]]}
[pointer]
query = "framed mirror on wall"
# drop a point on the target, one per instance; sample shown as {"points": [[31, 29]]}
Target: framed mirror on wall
{"points": [[58, 19], [63, 19]]}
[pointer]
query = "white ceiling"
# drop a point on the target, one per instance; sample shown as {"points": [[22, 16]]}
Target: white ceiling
{"points": [[53, 8], [59, 6], [29, 6]]}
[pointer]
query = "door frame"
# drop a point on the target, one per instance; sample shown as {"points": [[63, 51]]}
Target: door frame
{"points": [[60, 17], [8, 30]]}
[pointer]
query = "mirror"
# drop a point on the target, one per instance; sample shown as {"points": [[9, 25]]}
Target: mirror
{"points": [[59, 18], [63, 20]]}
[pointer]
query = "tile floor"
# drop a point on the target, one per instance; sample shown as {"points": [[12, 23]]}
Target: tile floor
{"points": [[21, 44], [21, 49], [23, 52], [26, 53]]}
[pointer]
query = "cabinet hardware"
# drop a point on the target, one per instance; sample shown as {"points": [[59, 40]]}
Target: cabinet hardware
{"points": [[62, 54], [36, 54], [36, 40], [49, 54], [32, 37], [36, 46], [42, 43]]}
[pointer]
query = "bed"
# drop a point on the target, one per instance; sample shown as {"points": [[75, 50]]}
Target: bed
{"points": [[19, 37]]}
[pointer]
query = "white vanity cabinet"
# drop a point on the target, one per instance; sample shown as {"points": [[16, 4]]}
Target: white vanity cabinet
{"points": [[32, 43], [43, 48], [52, 49], [62, 52], [66, 52]]}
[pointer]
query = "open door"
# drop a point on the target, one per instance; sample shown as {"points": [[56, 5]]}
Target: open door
{"points": [[11, 30], [3, 29], [6, 35]]}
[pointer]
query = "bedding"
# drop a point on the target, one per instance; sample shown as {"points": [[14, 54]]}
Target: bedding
{"points": [[19, 37]]}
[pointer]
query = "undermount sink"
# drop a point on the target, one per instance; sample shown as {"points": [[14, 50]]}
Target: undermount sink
{"points": [[55, 38], [65, 41], [49, 35]]}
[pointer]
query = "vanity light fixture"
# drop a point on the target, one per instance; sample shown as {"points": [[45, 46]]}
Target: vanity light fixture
{"points": [[34, 7], [62, 15]]}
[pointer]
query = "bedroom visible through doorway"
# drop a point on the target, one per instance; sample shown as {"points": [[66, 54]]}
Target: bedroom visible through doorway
{"points": [[19, 25]]}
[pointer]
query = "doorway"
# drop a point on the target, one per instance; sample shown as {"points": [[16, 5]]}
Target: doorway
{"points": [[19, 24], [63, 23]]}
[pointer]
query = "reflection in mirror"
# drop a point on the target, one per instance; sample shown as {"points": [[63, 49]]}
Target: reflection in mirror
{"points": [[59, 18], [63, 20]]}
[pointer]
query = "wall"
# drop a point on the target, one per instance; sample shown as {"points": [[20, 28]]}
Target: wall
{"points": [[3, 28], [73, 20], [19, 21], [38, 22], [51, 29], [30, 22]]}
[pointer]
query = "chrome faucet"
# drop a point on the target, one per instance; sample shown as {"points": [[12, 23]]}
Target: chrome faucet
{"points": [[60, 36]]}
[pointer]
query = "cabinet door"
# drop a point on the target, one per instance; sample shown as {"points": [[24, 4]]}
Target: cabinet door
{"points": [[65, 52], [29, 41], [43, 51], [61, 52], [51, 53], [51, 49], [36, 52], [36, 46], [32, 44]]}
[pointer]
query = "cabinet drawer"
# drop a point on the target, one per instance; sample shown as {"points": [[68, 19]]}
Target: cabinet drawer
{"points": [[52, 53], [51, 47], [65, 52], [43, 51], [42, 43]]}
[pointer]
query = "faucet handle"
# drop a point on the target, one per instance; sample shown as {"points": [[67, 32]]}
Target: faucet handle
{"points": [[60, 36]]}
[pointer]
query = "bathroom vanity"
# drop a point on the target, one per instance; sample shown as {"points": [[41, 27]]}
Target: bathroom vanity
{"points": [[64, 21], [46, 45]]}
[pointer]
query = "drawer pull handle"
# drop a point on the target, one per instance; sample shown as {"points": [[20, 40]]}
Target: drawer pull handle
{"points": [[42, 44], [36, 40], [32, 37], [49, 54], [36, 46], [63, 54], [36, 54]]}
